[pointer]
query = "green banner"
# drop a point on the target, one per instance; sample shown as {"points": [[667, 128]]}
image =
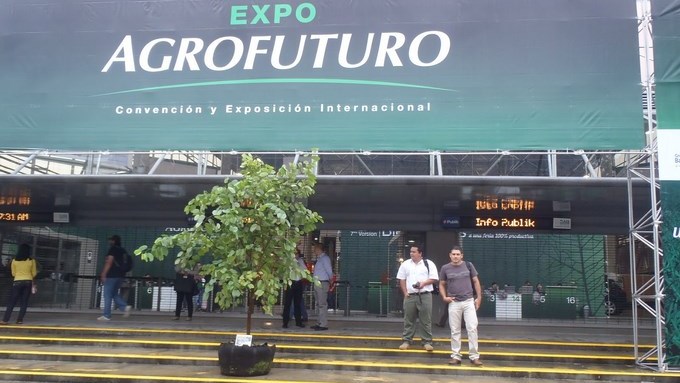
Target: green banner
{"points": [[670, 203], [330, 74]]}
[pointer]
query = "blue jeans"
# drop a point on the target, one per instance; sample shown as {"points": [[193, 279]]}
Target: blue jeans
{"points": [[198, 299], [111, 288]]}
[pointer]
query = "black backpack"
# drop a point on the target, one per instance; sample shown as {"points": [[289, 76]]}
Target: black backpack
{"points": [[126, 263], [469, 267], [435, 290]]}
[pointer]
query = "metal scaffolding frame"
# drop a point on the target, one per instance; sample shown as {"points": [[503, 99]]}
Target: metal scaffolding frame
{"points": [[551, 163], [648, 297]]}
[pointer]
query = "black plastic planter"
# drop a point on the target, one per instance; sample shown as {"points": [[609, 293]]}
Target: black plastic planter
{"points": [[245, 360]]}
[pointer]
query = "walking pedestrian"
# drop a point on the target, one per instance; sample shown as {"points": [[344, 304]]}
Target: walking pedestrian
{"points": [[117, 263]]}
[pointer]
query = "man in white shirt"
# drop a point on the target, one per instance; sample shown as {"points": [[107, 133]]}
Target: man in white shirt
{"points": [[323, 272], [416, 280]]}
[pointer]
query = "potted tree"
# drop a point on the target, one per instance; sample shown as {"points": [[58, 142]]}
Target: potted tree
{"points": [[248, 228]]}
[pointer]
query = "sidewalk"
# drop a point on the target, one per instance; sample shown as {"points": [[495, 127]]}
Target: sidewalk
{"points": [[614, 330]]}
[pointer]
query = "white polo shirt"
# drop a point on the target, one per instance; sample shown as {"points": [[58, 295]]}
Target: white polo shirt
{"points": [[415, 272]]}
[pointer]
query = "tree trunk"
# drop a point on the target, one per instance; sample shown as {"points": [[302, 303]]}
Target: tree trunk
{"points": [[250, 310]]}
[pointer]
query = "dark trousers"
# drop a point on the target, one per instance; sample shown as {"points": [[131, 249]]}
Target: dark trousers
{"points": [[293, 295], [21, 291], [444, 317], [184, 297]]}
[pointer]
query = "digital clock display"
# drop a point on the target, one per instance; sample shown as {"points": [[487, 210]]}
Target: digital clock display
{"points": [[20, 216], [15, 217]]}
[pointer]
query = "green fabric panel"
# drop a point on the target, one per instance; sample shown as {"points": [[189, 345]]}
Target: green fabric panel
{"points": [[368, 256], [552, 260], [670, 204], [668, 105], [568, 260]]}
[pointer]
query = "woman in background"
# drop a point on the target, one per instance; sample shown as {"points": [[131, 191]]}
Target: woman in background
{"points": [[24, 272]]}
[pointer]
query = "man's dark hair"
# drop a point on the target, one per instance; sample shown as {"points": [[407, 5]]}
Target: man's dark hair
{"points": [[418, 246], [23, 252], [321, 246], [116, 239], [457, 248]]}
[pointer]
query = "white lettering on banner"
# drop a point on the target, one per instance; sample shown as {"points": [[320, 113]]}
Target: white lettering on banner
{"points": [[248, 109], [389, 52], [676, 232], [391, 107], [189, 109]]}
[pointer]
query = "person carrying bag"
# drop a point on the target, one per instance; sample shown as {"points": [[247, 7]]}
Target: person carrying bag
{"points": [[24, 272]]}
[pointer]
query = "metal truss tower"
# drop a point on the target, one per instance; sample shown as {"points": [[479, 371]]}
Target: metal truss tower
{"points": [[648, 296]]}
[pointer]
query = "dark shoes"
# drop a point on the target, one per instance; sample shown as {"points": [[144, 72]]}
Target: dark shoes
{"points": [[298, 325], [319, 328], [456, 362]]}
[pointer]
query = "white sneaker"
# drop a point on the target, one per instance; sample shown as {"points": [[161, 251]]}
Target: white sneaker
{"points": [[103, 318], [126, 313], [428, 347], [404, 346]]}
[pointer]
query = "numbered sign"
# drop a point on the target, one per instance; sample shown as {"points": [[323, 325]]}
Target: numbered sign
{"points": [[243, 340]]}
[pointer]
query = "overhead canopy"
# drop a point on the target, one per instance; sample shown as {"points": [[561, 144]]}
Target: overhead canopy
{"points": [[403, 203]]}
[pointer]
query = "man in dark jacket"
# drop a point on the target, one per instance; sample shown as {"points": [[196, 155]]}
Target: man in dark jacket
{"points": [[185, 287], [112, 277]]}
